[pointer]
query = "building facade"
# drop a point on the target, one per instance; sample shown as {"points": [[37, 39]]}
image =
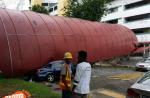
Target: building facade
{"points": [[35, 2], [61, 5], [53, 9], [134, 14], [50, 5]]}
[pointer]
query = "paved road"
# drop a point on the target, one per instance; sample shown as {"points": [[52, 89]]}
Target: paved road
{"points": [[108, 82], [112, 82]]}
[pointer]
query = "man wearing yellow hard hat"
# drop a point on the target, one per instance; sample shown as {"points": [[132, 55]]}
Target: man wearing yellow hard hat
{"points": [[65, 77]]}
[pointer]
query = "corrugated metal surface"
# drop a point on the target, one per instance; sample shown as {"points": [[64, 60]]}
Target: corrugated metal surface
{"points": [[28, 40]]}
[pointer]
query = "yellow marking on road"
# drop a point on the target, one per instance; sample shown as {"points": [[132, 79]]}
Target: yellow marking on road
{"points": [[111, 93], [95, 76], [127, 76]]}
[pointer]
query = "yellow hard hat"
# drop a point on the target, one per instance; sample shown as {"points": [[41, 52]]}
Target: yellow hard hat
{"points": [[68, 55]]}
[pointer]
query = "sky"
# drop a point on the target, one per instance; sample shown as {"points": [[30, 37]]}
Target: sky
{"points": [[17, 4], [21, 4]]}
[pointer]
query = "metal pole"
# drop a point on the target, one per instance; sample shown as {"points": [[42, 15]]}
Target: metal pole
{"points": [[149, 51], [144, 51]]}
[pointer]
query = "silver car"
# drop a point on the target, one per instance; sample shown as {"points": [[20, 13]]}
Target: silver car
{"points": [[141, 89], [145, 65]]}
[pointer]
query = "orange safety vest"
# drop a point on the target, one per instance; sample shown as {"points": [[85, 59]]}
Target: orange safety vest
{"points": [[67, 79]]}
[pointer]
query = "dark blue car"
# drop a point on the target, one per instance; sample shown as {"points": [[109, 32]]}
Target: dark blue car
{"points": [[50, 72]]}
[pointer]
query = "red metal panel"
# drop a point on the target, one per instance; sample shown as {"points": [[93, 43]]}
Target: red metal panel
{"points": [[108, 40], [5, 59], [75, 39], [28, 40], [100, 39], [113, 50], [68, 35], [109, 43], [142, 49], [51, 36], [94, 36], [104, 40], [79, 29], [58, 37], [117, 41], [42, 34], [25, 41], [84, 38], [13, 43]]}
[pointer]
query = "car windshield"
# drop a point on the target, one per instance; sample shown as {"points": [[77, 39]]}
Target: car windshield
{"points": [[48, 65], [54, 64], [57, 64], [145, 79]]}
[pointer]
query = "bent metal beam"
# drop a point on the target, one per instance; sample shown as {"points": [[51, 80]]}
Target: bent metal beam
{"points": [[29, 40]]}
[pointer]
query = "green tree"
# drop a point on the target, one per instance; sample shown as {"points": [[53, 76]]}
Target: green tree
{"points": [[39, 9], [86, 9]]}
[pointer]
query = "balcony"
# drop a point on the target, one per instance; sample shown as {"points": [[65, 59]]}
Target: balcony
{"points": [[143, 37], [137, 11], [145, 23], [112, 16], [127, 13]]}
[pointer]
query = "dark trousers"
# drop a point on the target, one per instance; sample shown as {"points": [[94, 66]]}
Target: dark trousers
{"points": [[66, 94], [76, 95]]}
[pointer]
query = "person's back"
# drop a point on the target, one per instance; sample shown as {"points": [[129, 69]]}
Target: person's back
{"points": [[84, 75]]}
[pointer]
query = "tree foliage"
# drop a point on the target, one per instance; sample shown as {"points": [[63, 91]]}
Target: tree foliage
{"points": [[39, 9], [86, 9]]}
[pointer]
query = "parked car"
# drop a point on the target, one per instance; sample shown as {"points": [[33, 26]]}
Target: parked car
{"points": [[49, 72], [140, 89], [144, 65]]}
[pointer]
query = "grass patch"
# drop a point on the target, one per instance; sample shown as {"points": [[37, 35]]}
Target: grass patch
{"points": [[37, 90]]}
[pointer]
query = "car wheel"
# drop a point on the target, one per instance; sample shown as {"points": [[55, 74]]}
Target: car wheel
{"points": [[136, 69], [50, 78]]}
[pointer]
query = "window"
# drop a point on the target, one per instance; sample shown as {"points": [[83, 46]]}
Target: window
{"points": [[112, 10], [47, 66], [141, 30], [51, 10], [75, 0], [44, 4], [112, 21], [136, 4], [145, 79], [55, 8], [137, 17]]}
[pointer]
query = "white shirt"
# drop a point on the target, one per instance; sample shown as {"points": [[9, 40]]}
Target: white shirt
{"points": [[83, 76]]}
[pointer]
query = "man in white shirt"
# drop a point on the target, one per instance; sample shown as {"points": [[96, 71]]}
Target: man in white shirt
{"points": [[82, 77]]}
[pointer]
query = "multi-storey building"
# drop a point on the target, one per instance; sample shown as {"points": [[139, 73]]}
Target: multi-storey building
{"points": [[35, 2], [134, 14], [61, 5], [53, 8], [50, 5]]}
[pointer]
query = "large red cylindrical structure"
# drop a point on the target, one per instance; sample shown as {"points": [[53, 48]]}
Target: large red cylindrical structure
{"points": [[28, 40]]}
